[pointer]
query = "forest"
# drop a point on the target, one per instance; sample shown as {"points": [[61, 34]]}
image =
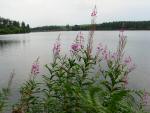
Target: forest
{"points": [[127, 25], [8, 26]]}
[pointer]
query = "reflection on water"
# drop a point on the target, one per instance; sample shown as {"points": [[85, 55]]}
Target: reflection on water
{"points": [[8, 42], [5, 43]]}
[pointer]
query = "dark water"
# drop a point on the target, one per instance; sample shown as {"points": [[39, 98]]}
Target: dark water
{"points": [[17, 52]]}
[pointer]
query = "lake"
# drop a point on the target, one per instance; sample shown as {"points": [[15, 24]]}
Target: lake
{"points": [[18, 51]]}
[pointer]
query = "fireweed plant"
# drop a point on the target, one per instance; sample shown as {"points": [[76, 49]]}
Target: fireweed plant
{"points": [[5, 93], [30, 101], [82, 82]]}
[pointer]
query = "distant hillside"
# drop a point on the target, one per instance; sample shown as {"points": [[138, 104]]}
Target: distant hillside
{"points": [[127, 25], [8, 26]]}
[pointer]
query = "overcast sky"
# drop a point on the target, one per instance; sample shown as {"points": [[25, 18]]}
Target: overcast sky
{"points": [[62, 12]]}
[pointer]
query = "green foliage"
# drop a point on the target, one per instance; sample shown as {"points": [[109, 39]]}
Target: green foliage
{"points": [[3, 98], [4, 94], [10, 27], [29, 101], [71, 87]]}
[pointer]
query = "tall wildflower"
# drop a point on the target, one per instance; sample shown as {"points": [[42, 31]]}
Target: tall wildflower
{"points": [[128, 67], [105, 53], [116, 59], [56, 48], [114, 56], [120, 55], [80, 39], [35, 67], [129, 64], [78, 43], [99, 49], [127, 61], [121, 46], [5, 93], [145, 98], [91, 33]]}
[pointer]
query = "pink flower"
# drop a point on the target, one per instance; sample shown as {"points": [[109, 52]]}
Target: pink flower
{"points": [[99, 49], [114, 56], [127, 60], [78, 44], [35, 67], [91, 33], [75, 47], [104, 52], [129, 64], [94, 12], [80, 39], [56, 48]]}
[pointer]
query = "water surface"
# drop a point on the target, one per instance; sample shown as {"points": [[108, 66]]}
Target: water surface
{"points": [[18, 51]]}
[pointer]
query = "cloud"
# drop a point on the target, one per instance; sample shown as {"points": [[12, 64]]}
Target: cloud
{"points": [[51, 12]]}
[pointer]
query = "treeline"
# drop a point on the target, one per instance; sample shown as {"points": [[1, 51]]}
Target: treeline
{"points": [[127, 25], [8, 26]]}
